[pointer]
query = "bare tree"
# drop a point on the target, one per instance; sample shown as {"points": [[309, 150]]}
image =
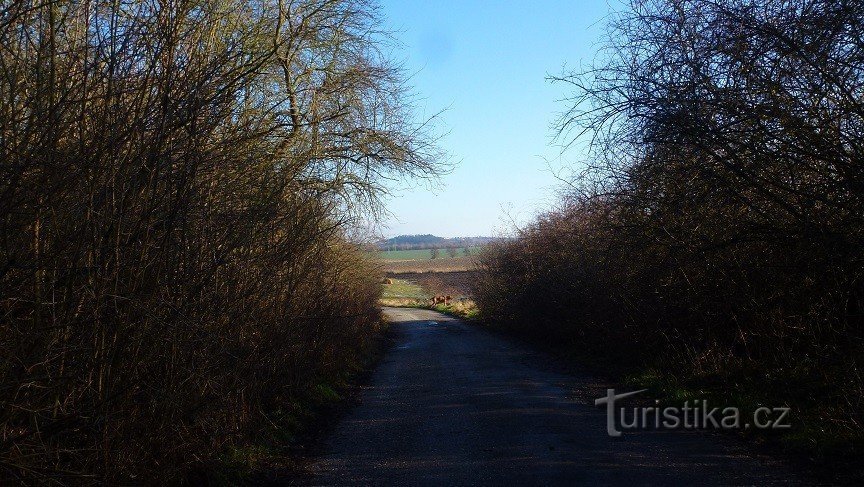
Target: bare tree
{"points": [[719, 222], [177, 182]]}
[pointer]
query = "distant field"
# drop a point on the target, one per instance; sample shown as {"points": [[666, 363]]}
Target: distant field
{"points": [[459, 284], [398, 261], [401, 288], [423, 254], [435, 265]]}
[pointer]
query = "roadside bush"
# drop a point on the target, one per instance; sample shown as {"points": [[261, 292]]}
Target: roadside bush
{"points": [[178, 180], [716, 232]]}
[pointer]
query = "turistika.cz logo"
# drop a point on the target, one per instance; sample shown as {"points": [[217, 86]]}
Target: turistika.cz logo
{"points": [[693, 415]]}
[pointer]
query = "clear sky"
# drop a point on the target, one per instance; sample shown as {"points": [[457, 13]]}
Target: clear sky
{"points": [[486, 63]]}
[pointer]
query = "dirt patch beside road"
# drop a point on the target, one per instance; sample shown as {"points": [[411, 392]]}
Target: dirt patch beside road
{"points": [[458, 284]]}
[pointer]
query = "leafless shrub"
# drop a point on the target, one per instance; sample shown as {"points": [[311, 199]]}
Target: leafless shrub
{"points": [[176, 181], [719, 222]]}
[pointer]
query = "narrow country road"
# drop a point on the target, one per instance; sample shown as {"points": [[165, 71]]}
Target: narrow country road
{"points": [[452, 404]]}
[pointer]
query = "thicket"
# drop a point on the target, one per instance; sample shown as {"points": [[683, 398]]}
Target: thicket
{"points": [[715, 234], [179, 180]]}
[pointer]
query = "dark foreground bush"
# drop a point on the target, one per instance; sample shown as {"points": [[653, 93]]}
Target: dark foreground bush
{"points": [[717, 234], [177, 182]]}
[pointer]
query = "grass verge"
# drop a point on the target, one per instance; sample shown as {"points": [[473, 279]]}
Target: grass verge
{"points": [[400, 293], [464, 309], [416, 291], [284, 451], [814, 447]]}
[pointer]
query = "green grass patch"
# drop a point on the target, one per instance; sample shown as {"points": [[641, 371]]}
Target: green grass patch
{"points": [[326, 394], [297, 422], [404, 289]]}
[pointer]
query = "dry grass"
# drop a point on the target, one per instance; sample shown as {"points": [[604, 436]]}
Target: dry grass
{"points": [[459, 284], [414, 290], [462, 308], [404, 302]]}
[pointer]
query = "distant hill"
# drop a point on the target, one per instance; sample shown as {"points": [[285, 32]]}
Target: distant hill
{"points": [[414, 242]]}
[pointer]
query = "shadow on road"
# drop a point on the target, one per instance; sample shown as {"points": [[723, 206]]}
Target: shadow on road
{"points": [[452, 404]]}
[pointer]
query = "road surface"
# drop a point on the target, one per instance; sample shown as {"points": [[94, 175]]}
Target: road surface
{"points": [[452, 404]]}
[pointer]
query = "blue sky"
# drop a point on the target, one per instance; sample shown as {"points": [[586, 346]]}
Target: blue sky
{"points": [[486, 63]]}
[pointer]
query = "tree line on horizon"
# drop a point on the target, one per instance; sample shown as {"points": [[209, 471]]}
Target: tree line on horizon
{"points": [[715, 235]]}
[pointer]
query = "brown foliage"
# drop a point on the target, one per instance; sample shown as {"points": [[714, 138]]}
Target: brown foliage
{"points": [[719, 229], [176, 181]]}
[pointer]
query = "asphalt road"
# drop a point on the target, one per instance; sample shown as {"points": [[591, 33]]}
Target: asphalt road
{"points": [[452, 404]]}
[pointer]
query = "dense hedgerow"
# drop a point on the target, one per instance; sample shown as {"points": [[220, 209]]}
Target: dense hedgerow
{"points": [[178, 179], [718, 229]]}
